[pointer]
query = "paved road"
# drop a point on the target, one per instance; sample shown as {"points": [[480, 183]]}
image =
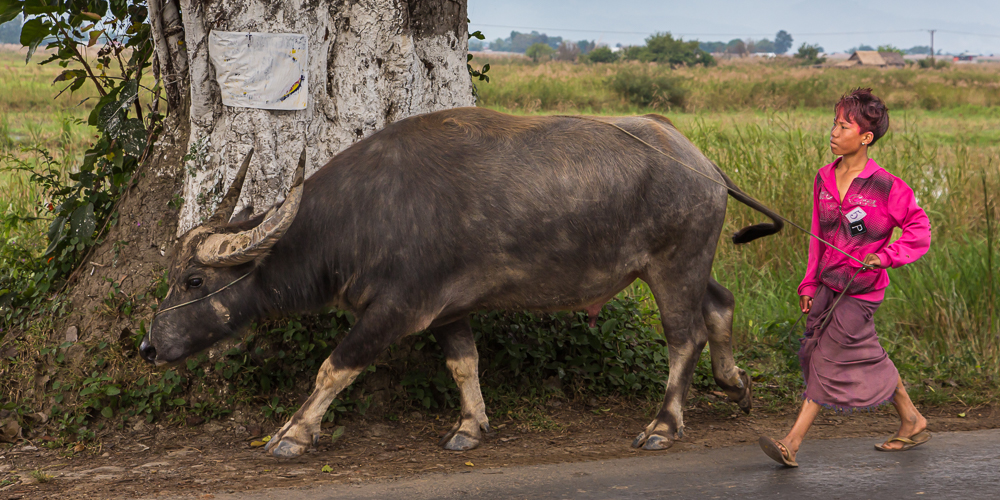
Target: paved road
{"points": [[962, 465]]}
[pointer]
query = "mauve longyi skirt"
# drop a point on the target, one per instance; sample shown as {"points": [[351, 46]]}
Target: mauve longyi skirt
{"points": [[844, 366]]}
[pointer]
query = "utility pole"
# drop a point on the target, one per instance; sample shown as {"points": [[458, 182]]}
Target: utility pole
{"points": [[932, 47]]}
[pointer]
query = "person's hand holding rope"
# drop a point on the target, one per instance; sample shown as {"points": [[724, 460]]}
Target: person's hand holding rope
{"points": [[872, 262]]}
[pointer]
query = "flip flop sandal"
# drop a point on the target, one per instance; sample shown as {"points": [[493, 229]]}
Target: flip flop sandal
{"points": [[908, 443], [773, 450]]}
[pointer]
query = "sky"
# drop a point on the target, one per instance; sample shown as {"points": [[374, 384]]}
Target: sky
{"points": [[962, 25]]}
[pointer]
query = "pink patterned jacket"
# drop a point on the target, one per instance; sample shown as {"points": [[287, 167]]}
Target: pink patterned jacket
{"points": [[876, 202]]}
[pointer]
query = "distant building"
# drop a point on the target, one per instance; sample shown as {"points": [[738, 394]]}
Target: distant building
{"points": [[893, 59], [965, 57], [873, 59]]}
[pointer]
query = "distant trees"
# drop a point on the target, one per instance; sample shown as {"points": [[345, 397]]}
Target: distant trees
{"points": [[519, 42], [919, 49], [890, 48], [712, 46], [586, 46], [861, 47], [664, 48], [737, 47], [760, 46], [782, 42]]}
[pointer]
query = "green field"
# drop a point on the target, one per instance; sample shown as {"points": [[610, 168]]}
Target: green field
{"points": [[521, 86], [765, 124]]}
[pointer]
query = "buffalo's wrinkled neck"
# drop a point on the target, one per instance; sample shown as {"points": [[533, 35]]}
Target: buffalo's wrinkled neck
{"points": [[293, 279]]}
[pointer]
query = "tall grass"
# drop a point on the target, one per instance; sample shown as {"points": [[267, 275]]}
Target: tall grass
{"points": [[777, 85]]}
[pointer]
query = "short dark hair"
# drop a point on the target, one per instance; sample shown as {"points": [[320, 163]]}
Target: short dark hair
{"points": [[867, 110]]}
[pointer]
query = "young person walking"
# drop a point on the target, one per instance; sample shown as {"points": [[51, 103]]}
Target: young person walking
{"points": [[856, 206]]}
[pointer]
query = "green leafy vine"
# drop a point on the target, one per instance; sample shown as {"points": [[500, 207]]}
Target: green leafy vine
{"points": [[83, 203]]}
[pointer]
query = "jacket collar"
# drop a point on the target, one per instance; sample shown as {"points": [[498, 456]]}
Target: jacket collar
{"points": [[830, 178]]}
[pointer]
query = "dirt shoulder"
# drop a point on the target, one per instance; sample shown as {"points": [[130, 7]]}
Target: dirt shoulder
{"points": [[154, 460]]}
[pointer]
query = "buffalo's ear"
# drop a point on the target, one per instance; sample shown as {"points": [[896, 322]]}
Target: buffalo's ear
{"points": [[243, 215]]}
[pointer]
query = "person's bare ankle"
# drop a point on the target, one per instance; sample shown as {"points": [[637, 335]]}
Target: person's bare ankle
{"points": [[792, 443]]}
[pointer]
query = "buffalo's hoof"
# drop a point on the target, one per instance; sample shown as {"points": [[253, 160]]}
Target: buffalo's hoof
{"points": [[656, 442], [639, 440], [287, 449], [746, 402], [461, 442]]}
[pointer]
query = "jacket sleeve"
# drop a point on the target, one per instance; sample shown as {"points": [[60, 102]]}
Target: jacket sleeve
{"points": [[916, 226], [811, 280]]}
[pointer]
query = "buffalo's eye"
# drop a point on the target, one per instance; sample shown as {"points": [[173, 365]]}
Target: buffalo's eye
{"points": [[194, 282]]}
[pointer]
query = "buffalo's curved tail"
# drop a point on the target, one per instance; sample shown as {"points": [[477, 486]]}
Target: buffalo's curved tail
{"points": [[755, 231]]}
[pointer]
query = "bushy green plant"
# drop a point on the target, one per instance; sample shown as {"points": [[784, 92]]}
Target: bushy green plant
{"points": [[539, 51], [646, 86], [80, 204], [601, 54], [929, 63], [664, 48], [624, 354], [809, 55]]}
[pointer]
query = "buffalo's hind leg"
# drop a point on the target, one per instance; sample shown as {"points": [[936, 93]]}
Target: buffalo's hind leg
{"points": [[718, 311], [459, 347], [680, 302], [373, 332]]}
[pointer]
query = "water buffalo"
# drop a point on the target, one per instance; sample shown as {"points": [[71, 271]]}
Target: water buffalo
{"points": [[446, 213]]}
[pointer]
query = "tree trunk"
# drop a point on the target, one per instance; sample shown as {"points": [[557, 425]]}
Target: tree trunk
{"points": [[370, 63]]}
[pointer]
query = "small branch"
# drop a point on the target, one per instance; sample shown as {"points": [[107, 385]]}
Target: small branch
{"points": [[138, 79], [120, 78], [80, 57], [118, 56], [90, 72]]}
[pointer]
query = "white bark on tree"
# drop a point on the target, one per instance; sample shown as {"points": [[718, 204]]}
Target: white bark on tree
{"points": [[371, 62]]}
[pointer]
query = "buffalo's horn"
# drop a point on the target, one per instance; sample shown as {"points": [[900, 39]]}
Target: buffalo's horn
{"points": [[230, 249], [225, 209]]}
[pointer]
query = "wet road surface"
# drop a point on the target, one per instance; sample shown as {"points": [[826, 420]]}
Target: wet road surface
{"points": [[962, 465]]}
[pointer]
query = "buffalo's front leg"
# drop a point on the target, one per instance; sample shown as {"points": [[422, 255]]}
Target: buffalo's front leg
{"points": [[459, 347], [373, 332]]}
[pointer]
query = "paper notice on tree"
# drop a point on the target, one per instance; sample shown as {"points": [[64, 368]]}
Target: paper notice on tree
{"points": [[260, 70]]}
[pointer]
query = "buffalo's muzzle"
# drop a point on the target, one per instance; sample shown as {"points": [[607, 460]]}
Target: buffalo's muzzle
{"points": [[146, 350]]}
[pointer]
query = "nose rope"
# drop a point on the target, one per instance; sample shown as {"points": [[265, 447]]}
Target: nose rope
{"points": [[237, 280]]}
